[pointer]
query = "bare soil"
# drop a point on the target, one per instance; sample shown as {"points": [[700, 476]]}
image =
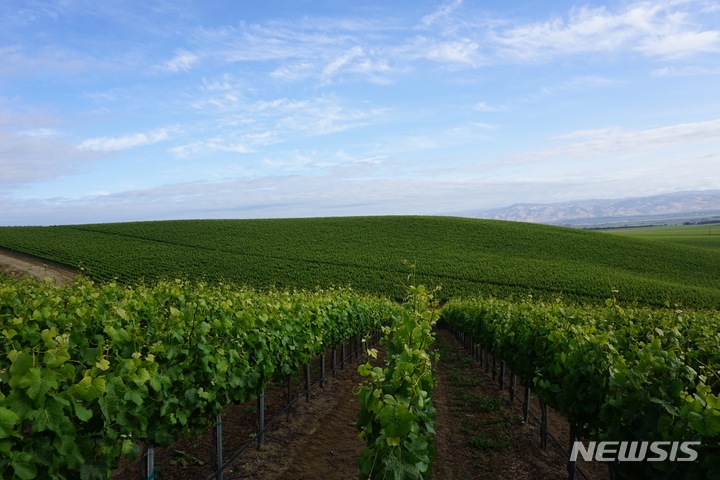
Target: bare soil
{"points": [[481, 433], [21, 265]]}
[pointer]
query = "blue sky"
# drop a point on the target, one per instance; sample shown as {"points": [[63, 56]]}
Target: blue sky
{"points": [[132, 110]]}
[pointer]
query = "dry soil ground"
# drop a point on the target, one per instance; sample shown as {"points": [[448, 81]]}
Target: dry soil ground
{"points": [[20, 265]]}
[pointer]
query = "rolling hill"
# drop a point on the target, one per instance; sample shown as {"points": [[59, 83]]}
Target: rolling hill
{"points": [[465, 256]]}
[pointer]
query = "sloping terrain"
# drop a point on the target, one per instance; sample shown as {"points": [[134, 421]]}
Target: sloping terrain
{"points": [[464, 256]]}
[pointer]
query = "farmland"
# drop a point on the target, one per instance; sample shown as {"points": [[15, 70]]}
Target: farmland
{"points": [[179, 305], [703, 236], [465, 256]]}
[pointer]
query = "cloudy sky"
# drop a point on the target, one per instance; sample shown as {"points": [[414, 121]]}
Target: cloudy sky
{"points": [[121, 110]]}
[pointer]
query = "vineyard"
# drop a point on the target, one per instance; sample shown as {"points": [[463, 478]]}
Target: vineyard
{"points": [[466, 257], [633, 374], [174, 322], [92, 370]]}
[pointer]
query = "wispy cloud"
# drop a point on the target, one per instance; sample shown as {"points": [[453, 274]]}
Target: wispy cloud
{"points": [[21, 61], [663, 29], [600, 142], [283, 117], [182, 61], [38, 155], [104, 144], [444, 11], [485, 107], [685, 70], [209, 147]]}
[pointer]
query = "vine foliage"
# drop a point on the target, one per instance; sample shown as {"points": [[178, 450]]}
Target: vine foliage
{"points": [[397, 418]]}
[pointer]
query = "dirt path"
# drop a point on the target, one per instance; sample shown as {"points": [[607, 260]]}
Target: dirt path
{"points": [[319, 442], [480, 434], [20, 265]]}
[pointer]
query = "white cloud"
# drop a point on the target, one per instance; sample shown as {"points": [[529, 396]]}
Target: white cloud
{"points": [[484, 107], [210, 146], [616, 140], [458, 51], [37, 155], [338, 63], [681, 44], [22, 61], [104, 144], [182, 61], [445, 10], [685, 70], [654, 28]]}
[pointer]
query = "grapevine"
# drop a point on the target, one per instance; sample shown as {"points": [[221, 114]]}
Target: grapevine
{"points": [[89, 371]]}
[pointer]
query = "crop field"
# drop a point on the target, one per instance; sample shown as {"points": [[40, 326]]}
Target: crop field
{"points": [[465, 257], [703, 236]]}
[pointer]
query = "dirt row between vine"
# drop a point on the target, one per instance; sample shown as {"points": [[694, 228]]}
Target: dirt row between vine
{"points": [[20, 265]]}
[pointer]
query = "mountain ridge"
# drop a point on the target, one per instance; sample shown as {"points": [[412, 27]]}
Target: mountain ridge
{"points": [[677, 207]]}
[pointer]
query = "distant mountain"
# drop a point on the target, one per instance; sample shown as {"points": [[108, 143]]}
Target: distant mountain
{"points": [[667, 208]]}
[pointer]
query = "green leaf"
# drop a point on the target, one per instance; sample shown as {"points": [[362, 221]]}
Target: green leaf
{"points": [[127, 446], [396, 420], [103, 364], [65, 445], [89, 388], [8, 419], [56, 359], [50, 417], [141, 377], [705, 425], [82, 413], [38, 383], [23, 466]]}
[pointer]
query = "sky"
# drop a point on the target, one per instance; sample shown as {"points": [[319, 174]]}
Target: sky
{"points": [[124, 110]]}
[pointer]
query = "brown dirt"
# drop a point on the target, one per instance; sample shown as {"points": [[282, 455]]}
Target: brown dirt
{"points": [[480, 434], [21, 265]]}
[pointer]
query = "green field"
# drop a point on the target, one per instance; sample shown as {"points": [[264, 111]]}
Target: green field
{"points": [[703, 236], [465, 256]]}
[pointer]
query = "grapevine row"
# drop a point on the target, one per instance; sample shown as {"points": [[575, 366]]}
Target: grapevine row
{"points": [[89, 371], [635, 374], [397, 418]]}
